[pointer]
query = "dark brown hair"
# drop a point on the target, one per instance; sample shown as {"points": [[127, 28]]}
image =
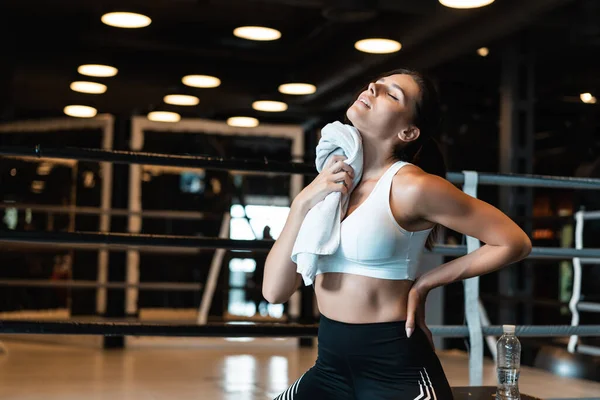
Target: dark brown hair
{"points": [[424, 152]]}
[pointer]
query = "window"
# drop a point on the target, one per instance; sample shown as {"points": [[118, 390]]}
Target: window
{"points": [[265, 222]]}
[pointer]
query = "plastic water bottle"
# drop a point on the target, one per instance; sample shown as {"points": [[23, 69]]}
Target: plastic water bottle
{"points": [[508, 364]]}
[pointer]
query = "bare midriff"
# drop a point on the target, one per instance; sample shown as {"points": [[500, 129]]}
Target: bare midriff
{"points": [[360, 299]]}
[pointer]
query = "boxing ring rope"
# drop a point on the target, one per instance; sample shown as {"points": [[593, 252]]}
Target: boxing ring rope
{"points": [[156, 159], [474, 314], [556, 182], [124, 240], [278, 167], [81, 284], [115, 212], [248, 329]]}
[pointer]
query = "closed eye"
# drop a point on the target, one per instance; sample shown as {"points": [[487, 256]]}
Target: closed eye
{"points": [[392, 96]]}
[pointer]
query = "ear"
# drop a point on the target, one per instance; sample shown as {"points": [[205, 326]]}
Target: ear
{"points": [[409, 134]]}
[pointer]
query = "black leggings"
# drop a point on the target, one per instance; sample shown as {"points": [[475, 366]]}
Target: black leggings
{"points": [[374, 361]]}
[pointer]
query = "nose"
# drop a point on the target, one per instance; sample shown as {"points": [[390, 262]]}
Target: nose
{"points": [[372, 88]]}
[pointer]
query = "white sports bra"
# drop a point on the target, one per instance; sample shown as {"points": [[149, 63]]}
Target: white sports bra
{"points": [[372, 243]]}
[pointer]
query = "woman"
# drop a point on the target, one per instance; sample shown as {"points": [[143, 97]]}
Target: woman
{"points": [[373, 343]]}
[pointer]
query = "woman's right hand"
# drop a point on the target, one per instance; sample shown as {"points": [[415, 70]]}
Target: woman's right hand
{"points": [[336, 176]]}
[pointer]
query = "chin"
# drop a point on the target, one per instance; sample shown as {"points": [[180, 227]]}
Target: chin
{"points": [[354, 116]]}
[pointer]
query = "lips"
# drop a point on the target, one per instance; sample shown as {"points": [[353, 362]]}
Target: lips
{"points": [[364, 100]]}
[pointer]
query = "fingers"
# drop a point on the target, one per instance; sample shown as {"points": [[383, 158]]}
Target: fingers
{"points": [[338, 187], [342, 176], [336, 166], [411, 310], [340, 165], [334, 159], [347, 168], [348, 181]]}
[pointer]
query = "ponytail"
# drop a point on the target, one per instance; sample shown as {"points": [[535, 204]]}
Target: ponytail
{"points": [[427, 155]]}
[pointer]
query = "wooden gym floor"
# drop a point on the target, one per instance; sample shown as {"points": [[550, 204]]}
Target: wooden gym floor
{"points": [[68, 368]]}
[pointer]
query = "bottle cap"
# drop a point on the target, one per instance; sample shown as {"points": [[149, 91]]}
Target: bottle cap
{"points": [[508, 328]]}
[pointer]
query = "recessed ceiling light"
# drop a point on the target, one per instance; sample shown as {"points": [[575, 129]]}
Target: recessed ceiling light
{"points": [[80, 111], [587, 98], [465, 3], [244, 122], [164, 116], [37, 186], [378, 46], [44, 169], [126, 20], [98, 70], [201, 81], [270, 106], [297, 88], [257, 33], [181, 100], [88, 87], [483, 51]]}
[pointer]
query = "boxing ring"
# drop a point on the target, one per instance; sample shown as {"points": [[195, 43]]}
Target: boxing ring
{"points": [[477, 330]]}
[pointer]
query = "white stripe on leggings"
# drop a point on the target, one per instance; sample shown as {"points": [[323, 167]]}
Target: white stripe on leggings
{"points": [[430, 385], [427, 386], [420, 396], [291, 391]]}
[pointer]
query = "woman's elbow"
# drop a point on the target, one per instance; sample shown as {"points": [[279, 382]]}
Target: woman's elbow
{"points": [[522, 247], [528, 246], [274, 296], [270, 297]]}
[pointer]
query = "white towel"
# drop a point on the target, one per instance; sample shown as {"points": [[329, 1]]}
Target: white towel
{"points": [[320, 230]]}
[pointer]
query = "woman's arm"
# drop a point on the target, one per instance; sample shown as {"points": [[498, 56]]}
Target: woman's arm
{"points": [[441, 202], [280, 279], [437, 200]]}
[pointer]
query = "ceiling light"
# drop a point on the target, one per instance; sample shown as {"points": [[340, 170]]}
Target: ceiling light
{"points": [[126, 20], [297, 88], [88, 87], [244, 122], [257, 33], [44, 169], [587, 98], [37, 186], [201, 81], [164, 116], [483, 51], [181, 100], [102, 71], [88, 179], [269, 106], [80, 111], [378, 46], [465, 3]]}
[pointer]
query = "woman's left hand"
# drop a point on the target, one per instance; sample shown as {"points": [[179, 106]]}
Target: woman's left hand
{"points": [[416, 312]]}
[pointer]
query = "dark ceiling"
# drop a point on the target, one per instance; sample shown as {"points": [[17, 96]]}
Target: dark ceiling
{"points": [[46, 40]]}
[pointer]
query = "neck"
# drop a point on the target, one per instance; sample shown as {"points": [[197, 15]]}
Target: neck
{"points": [[376, 158]]}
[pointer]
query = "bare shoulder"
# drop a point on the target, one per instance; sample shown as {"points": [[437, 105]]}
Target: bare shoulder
{"points": [[414, 182], [414, 188]]}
